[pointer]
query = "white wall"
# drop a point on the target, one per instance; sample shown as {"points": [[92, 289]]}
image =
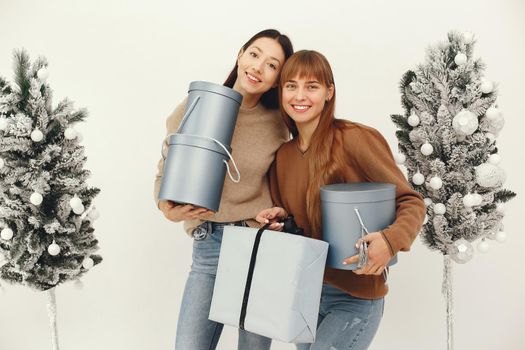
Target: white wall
{"points": [[129, 63]]}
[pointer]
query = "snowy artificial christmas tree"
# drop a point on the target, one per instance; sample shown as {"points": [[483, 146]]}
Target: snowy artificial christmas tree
{"points": [[46, 211], [447, 140]]}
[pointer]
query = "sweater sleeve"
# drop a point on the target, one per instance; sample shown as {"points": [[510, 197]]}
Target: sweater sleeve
{"points": [[374, 157], [172, 124], [274, 185]]}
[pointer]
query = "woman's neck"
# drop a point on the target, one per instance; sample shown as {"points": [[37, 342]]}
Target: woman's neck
{"points": [[248, 100], [305, 130]]}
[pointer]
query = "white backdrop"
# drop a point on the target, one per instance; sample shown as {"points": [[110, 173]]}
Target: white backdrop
{"points": [[129, 63]]}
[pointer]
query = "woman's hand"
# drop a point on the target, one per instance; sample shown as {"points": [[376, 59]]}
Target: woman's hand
{"points": [[177, 213], [272, 215], [378, 255]]}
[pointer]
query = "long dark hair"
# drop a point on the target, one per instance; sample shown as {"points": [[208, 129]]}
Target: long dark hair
{"points": [[270, 99]]}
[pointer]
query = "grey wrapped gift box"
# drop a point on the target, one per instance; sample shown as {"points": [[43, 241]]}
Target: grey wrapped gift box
{"points": [[198, 153], [346, 208], [285, 290]]}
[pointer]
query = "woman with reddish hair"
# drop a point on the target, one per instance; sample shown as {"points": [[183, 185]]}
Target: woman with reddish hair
{"points": [[325, 150]]}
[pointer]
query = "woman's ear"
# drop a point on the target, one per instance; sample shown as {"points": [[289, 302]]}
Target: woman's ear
{"points": [[330, 93], [241, 51]]}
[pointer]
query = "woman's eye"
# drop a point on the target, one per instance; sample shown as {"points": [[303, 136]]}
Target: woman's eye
{"points": [[253, 54], [313, 87], [272, 66], [289, 86]]}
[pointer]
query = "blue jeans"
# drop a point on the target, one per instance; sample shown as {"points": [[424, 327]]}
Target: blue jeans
{"points": [[345, 322], [194, 330]]}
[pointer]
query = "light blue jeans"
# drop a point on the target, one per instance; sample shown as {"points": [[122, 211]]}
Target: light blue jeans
{"points": [[345, 322], [194, 330]]}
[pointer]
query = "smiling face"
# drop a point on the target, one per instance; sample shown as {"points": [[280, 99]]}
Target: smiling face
{"points": [[303, 99], [259, 67]]}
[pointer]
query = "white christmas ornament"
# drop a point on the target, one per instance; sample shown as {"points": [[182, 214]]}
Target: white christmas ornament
{"points": [[78, 209], [500, 207], [468, 37], [427, 201], [489, 175], [468, 200], [460, 59], [413, 120], [3, 123], [53, 249], [461, 251], [70, 133], [36, 198], [483, 246], [400, 158], [427, 149], [418, 178], [486, 87], [436, 182], [494, 159], [465, 123], [93, 214], [496, 124], [75, 202], [440, 209], [42, 74], [88, 263], [6, 234], [2, 163], [501, 236], [492, 113], [478, 199], [37, 135]]}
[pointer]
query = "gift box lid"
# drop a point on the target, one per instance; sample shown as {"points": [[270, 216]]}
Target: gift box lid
{"points": [[363, 192], [215, 88], [197, 141]]}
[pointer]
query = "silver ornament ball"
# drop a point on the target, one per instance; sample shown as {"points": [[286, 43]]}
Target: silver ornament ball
{"points": [[70, 133], [53, 249], [78, 209], [427, 149], [75, 202], [461, 251], [4, 123], [436, 183], [418, 178], [413, 120], [501, 236], [6, 234], [460, 59], [400, 158], [483, 246], [465, 123], [468, 200], [486, 87], [36, 198], [440, 209], [489, 175], [492, 113], [42, 74], [37, 135], [427, 201], [88, 263]]}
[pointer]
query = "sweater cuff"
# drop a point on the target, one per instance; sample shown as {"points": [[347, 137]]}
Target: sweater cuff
{"points": [[388, 243]]}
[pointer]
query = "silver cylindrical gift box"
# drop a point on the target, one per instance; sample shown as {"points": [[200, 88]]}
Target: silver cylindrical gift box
{"points": [[376, 206], [213, 111], [194, 172]]}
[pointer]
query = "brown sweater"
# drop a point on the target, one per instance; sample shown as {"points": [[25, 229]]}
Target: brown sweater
{"points": [[369, 160], [258, 134]]}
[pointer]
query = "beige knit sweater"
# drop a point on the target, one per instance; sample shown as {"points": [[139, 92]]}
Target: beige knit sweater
{"points": [[258, 134]]}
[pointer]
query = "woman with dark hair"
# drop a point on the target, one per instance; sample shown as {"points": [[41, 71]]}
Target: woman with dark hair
{"points": [[325, 150], [259, 132]]}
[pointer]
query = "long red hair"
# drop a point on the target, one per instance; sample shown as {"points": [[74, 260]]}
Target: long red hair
{"points": [[326, 159]]}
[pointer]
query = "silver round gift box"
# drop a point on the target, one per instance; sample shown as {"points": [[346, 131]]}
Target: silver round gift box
{"points": [[376, 205], [194, 172], [214, 110]]}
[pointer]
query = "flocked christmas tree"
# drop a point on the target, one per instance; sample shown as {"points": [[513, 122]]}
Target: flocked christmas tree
{"points": [[447, 140], [46, 210]]}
